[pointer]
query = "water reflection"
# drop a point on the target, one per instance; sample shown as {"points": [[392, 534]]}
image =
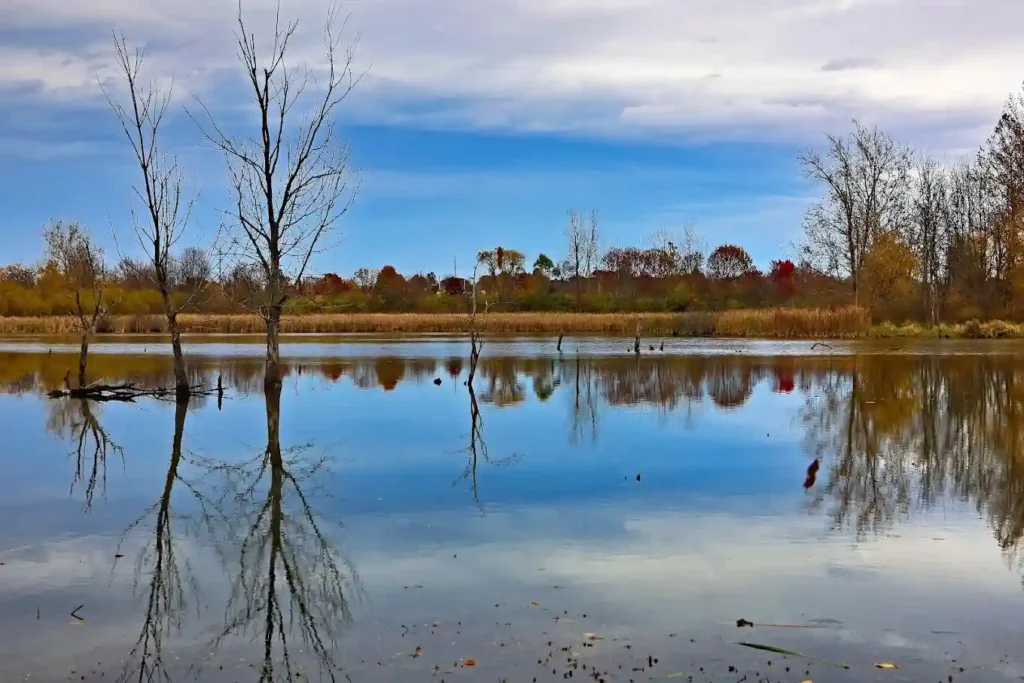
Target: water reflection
{"points": [[164, 579], [289, 578], [896, 438], [78, 421]]}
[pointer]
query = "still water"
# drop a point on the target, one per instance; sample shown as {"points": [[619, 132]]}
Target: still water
{"points": [[578, 514]]}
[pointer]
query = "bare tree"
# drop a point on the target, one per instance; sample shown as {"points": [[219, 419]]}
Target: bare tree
{"points": [[291, 181], [929, 207], [70, 247], [865, 176], [584, 239], [167, 208]]}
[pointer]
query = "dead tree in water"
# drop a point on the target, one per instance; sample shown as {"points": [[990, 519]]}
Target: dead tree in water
{"points": [[291, 181], [162, 193], [80, 261]]}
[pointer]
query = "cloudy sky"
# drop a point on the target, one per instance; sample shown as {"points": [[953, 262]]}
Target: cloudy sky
{"points": [[479, 122]]}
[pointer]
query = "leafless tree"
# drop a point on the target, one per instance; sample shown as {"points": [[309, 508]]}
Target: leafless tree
{"points": [[79, 259], [162, 191], [583, 237], [1001, 161], [291, 180], [928, 210], [865, 175]]}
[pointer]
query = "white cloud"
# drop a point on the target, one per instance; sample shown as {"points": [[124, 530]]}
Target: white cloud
{"points": [[936, 72]]}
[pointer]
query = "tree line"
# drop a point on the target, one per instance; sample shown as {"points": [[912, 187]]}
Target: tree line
{"points": [[898, 233]]}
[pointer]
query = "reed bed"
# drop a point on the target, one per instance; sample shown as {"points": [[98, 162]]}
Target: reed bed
{"points": [[762, 323]]}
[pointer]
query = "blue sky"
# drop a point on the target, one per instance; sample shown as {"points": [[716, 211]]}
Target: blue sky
{"points": [[481, 123]]}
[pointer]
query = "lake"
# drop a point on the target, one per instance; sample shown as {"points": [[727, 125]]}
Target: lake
{"points": [[587, 514]]}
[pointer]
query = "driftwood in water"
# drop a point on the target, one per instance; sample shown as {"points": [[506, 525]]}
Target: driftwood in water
{"points": [[126, 392]]}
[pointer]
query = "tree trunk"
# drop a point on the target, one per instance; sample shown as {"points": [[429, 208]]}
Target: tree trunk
{"points": [[181, 386], [272, 378], [83, 356]]}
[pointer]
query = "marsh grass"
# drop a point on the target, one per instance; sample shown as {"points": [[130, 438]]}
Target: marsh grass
{"points": [[779, 323]]}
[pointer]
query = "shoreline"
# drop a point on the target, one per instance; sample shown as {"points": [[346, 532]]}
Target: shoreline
{"points": [[776, 324]]}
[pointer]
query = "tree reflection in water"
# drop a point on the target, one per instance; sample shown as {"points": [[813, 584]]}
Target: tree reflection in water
{"points": [[477, 450], [170, 581], [288, 577], [900, 435], [78, 421], [288, 582]]}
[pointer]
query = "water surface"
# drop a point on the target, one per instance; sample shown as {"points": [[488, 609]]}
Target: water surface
{"points": [[586, 512]]}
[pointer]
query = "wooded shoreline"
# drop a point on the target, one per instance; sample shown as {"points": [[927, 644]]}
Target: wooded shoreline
{"points": [[773, 323]]}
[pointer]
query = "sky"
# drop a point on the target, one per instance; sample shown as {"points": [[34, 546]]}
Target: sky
{"points": [[479, 123]]}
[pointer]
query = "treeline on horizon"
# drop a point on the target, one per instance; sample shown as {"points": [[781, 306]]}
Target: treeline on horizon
{"points": [[897, 233]]}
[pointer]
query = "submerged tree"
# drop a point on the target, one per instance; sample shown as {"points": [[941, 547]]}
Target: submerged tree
{"points": [[167, 209], [70, 248], [291, 179]]}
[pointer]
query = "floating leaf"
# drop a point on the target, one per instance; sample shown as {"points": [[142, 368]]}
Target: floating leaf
{"points": [[535, 603], [886, 665], [592, 636], [469, 662], [781, 651]]}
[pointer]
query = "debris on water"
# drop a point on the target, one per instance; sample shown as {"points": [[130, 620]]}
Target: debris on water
{"points": [[74, 612], [886, 665], [812, 474], [469, 662], [792, 653], [437, 381], [118, 555], [740, 623], [638, 477], [417, 652]]}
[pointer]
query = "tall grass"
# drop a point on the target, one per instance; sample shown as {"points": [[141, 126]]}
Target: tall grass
{"points": [[779, 323]]}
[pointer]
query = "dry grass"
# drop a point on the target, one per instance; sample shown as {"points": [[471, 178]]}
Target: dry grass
{"points": [[766, 323]]}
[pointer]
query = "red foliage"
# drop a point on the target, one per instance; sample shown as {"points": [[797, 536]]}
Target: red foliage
{"points": [[783, 273], [454, 286], [331, 283]]}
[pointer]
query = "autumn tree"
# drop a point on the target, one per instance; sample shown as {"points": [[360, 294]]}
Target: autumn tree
{"points": [[728, 262], [583, 238], [890, 271], [865, 178], [79, 259], [783, 274], [291, 181], [166, 208]]}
